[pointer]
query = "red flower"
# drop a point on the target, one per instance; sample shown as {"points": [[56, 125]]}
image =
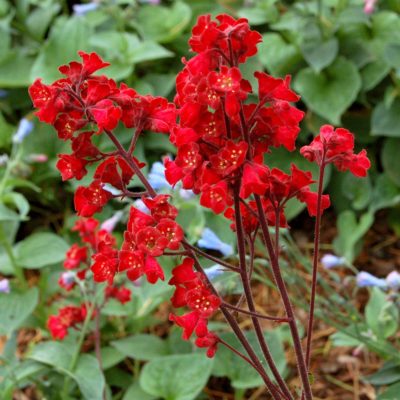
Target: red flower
{"points": [[91, 199], [188, 322], [216, 197], [229, 158], [172, 232], [132, 262], [71, 167], [153, 270], [106, 114], [209, 341], [121, 293], [188, 157], [183, 273], [75, 256], [151, 241], [202, 301], [337, 146], [270, 88], [159, 207], [105, 264], [67, 317], [115, 171], [225, 81], [254, 180]]}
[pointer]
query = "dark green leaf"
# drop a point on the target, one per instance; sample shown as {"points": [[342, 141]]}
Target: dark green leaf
{"points": [[177, 377], [15, 308], [386, 120], [40, 250], [320, 54], [141, 347], [330, 92], [278, 56]]}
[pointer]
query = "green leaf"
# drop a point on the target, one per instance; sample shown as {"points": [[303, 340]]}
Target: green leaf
{"points": [[386, 119], [320, 54], [40, 18], [330, 92], [373, 73], [357, 190], [391, 160], [391, 393], [136, 392], [8, 215], [19, 201], [87, 373], [279, 57], [350, 232], [163, 24], [177, 377], [265, 11], [388, 374], [67, 37], [89, 377], [392, 55], [110, 357], [40, 250], [141, 347], [15, 69], [385, 194], [241, 374], [6, 131], [149, 50], [15, 308], [381, 315]]}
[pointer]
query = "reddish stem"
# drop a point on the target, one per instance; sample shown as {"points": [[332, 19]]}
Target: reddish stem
{"points": [[315, 262], [301, 364]]}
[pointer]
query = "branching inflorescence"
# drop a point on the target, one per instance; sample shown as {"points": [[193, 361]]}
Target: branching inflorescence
{"points": [[223, 132]]}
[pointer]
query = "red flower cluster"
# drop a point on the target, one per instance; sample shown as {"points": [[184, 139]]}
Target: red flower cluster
{"points": [[120, 293], [337, 146], [147, 237], [67, 317], [218, 135], [82, 105], [191, 291]]}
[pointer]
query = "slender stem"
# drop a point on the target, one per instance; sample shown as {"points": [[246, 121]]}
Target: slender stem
{"points": [[249, 295], [212, 258], [255, 314], [301, 364], [135, 138], [241, 355], [315, 263], [97, 337], [75, 357]]}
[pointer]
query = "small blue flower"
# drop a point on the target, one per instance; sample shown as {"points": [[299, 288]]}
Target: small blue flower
{"points": [[209, 240], [214, 271], [365, 279], [329, 261], [3, 94], [83, 9], [4, 286], [68, 278], [393, 280], [111, 189], [186, 194], [25, 127], [141, 206], [157, 176]]}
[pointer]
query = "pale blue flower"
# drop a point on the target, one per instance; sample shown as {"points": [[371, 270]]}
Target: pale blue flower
{"points": [[393, 280], [209, 240], [141, 206], [111, 189], [214, 271], [186, 194], [25, 127], [329, 261], [4, 286], [3, 94], [68, 278], [110, 223], [365, 279], [157, 176], [83, 9]]}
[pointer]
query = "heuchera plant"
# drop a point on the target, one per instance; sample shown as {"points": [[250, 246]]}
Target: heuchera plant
{"points": [[223, 139]]}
